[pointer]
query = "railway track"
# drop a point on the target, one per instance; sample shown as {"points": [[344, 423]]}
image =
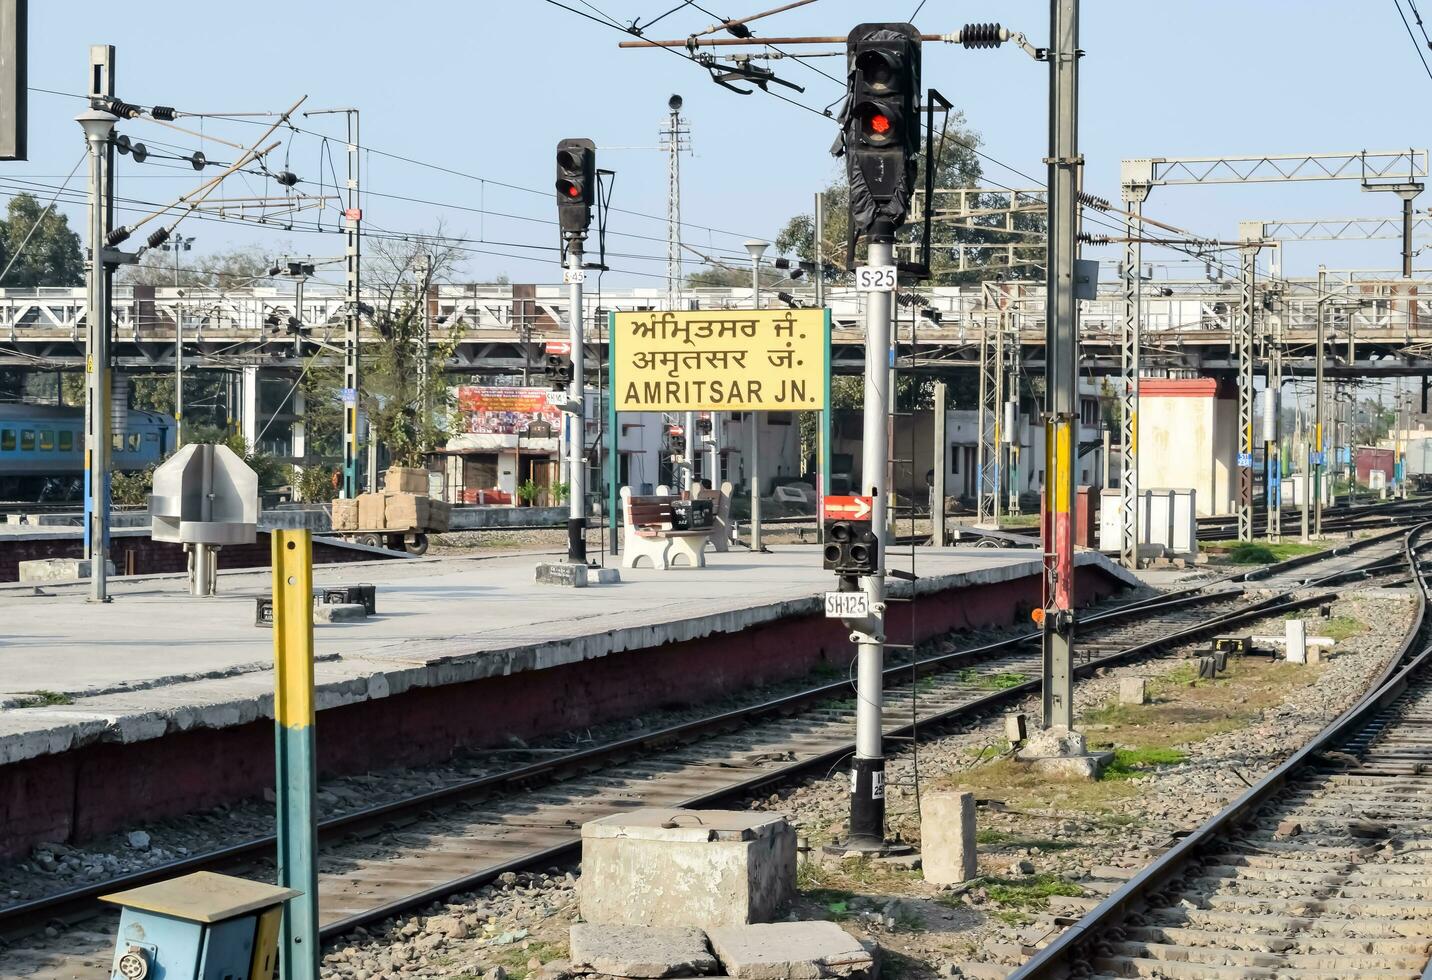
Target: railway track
{"points": [[1321, 870], [400, 856]]}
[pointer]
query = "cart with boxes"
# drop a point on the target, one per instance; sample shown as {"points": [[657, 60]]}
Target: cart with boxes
{"points": [[399, 517]]}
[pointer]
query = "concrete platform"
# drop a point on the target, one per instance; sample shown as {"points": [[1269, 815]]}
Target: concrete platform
{"points": [[160, 702]]}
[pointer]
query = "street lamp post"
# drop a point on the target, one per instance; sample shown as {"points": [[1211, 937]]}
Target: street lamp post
{"points": [[176, 245], [756, 248], [97, 125]]}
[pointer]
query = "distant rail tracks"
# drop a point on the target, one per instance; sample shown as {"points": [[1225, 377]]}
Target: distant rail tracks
{"points": [[1322, 869], [395, 857]]}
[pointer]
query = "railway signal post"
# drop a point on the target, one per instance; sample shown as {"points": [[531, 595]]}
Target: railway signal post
{"points": [[1061, 389], [880, 139], [576, 193]]}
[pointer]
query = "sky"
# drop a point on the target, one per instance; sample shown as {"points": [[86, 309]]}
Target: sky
{"points": [[485, 90]]}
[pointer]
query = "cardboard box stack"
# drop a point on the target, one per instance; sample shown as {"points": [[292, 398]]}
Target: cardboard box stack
{"points": [[406, 479], [345, 515], [391, 511]]}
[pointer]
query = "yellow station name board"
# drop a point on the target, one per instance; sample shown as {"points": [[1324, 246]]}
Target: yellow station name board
{"points": [[719, 360]]}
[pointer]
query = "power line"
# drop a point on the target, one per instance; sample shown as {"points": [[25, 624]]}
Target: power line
{"points": [[1417, 15], [1420, 56]]}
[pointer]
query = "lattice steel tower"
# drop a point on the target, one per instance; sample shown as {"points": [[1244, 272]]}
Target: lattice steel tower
{"points": [[674, 141]]}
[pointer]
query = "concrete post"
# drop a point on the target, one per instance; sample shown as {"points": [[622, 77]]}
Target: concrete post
{"points": [[941, 465], [947, 837], [1296, 634]]}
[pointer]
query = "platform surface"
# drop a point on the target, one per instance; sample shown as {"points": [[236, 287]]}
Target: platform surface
{"points": [[157, 660]]}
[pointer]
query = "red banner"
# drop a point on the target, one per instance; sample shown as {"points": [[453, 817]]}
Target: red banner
{"points": [[504, 411]]}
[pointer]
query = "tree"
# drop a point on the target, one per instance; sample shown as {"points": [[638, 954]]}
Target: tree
{"points": [[958, 166], [393, 392], [730, 276], [51, 257], [233, 268]]}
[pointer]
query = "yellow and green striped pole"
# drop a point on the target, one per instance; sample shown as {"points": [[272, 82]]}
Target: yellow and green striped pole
{"points": [[295, 769]]}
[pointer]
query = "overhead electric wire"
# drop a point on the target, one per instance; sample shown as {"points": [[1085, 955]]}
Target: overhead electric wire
{"points": [[1420, 56]]}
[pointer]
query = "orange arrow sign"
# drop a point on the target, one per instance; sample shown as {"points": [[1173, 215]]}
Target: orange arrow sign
{"points": [[855, 508]]}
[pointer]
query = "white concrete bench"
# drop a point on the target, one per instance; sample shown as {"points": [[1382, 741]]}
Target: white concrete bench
{"points": [[649, 532]]}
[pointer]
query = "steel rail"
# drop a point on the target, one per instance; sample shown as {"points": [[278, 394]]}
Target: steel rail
{"points": [[78, 902], [1061, 957]]}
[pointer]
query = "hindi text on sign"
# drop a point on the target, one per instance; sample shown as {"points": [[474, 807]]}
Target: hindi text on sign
{"points": [[739, 360]]}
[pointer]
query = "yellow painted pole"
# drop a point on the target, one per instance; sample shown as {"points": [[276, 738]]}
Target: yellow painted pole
{"points": [[295, 769]]}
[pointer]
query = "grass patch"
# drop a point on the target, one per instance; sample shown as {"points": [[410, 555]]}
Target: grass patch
{"points": [[1003, 838], [990, 682], [1144, 737], [513, 958], [1030, 893], [1133, 763], [1262, 552], [42, 699], [1338, 628], [838, 889]]}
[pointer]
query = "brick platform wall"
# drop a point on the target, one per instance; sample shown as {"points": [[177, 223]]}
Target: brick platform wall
{"points": [[104, 787]]}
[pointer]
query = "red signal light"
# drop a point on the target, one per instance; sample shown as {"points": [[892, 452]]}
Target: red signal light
{"points": [[573, 190], [880, 123]]}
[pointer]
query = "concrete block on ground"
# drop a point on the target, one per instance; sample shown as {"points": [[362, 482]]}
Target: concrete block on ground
{"points": [[569, 575], [1296, 637], [947, 836], [604, 576], [1133, 690], [1314, 654], [640, 951], [1069, 766], [1016, 727], [1053, 742], [1061, 752], [791, 951], [339, 612], [705, 868], [57, 570]]}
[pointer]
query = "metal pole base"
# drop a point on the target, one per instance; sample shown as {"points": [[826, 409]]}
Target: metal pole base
{"points": [[577, 540], [867, 813]]}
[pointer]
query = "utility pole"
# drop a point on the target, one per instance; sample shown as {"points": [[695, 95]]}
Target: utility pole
{"points": [[97, 126], [352, 282], [1062, 372], [756, 248], [1130, 352], [1319, 446], [1243, 345], [422, 271], [672, 138], [822, 457], [178, 243]]}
